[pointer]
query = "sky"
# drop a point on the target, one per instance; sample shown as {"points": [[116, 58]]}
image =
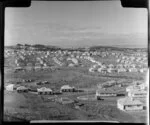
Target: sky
{"points": [[77, 24]]}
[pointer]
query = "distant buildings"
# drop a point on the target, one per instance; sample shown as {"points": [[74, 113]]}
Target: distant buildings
{"points": [[132, 102], [42, 59]]}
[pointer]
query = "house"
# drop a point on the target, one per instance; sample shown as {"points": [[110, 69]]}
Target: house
{"points": [[109, 83], [137, 94], [122, 70], [75, 61], [104, 70], [99, 69], [28, 80], [46, 67], [143, 86], [29, 68], [37, 66], [10, 87], [44, 91], [67, 88], [137, 85], [22, 89], [71, 65], [132, 70], [45, 82], [112, 70], [91, 69], [104, 93], [131, 88], [111, 66], [128, 104], [143, 70], [19, 69]]}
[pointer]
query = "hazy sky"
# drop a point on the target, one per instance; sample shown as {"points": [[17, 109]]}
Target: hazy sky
{"points": [[77, 24]]}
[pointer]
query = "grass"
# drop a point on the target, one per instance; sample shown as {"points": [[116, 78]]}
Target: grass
{"points": [[29, 106]]}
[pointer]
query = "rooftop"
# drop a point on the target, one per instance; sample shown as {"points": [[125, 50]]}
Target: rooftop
{"points": [[129, 101], [44, 89]]}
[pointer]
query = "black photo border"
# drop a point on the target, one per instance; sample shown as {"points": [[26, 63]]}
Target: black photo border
{"points": [[27, 3]]}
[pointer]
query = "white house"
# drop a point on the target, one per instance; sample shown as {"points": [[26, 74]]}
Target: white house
{"points": [[67, 88], [104, 93], [10, 87], [91, 69], [133, 70], [137, 94], [122, 70], [44, 91], [128, 104], [71, 65], [22, 89]]}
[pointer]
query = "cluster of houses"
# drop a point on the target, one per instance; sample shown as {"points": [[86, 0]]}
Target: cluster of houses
{"points": [[110, 68], [106, 89], [32, 59], [42, 90], [135, 100]]}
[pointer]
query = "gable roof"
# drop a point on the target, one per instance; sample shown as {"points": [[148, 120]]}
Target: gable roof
{"points": [[129, 101], [44, 89]]}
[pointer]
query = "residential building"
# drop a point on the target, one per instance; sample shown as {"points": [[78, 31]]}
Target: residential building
{"points": [[129, 104], [44, 91], [22, 89], [137, 94], [67, 88], [104, 93], [9, 87]]}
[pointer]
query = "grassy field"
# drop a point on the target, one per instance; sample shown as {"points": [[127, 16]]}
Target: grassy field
{"points": [[30, 106]]}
